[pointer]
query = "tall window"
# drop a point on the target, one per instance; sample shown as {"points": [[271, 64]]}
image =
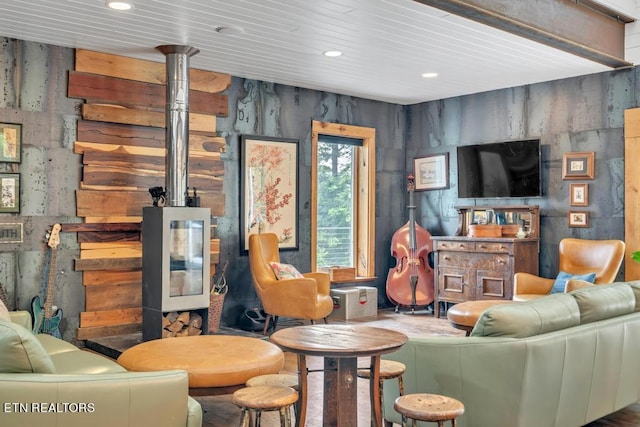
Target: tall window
{"points": [[343, 197]]}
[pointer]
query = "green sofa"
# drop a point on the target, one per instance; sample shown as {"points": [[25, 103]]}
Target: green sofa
{"points": [[45, 381], [562, 360]]}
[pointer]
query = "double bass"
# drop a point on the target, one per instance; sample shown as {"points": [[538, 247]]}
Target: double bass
{"points": [[410, 282]]}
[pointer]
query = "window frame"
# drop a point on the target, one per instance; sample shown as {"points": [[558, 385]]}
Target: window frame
{"points": [[364, 194]]}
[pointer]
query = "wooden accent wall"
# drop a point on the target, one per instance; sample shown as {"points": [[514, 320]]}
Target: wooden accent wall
{"points": [[631, 191], [121, 138]]}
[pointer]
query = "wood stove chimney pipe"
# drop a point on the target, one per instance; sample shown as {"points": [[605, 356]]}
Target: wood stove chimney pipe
{"points": [[177, 122]]}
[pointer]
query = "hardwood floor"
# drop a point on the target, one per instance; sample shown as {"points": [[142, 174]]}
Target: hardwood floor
{"points": [[219, 411]]}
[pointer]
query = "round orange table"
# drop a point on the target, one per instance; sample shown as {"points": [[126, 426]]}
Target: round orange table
{"points": [[217, 364], [464, 315]]}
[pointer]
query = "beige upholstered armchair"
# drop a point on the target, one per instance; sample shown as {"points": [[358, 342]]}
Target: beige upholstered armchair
{"points": [[577, 257], [305, 297]]}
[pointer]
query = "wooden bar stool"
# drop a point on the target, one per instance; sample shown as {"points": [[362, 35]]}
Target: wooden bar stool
{"points": [[429, 407], [257, 399], [389, 369]]}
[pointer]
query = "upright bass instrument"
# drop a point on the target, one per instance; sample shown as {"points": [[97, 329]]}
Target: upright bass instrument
{"points": [[410, 282]]}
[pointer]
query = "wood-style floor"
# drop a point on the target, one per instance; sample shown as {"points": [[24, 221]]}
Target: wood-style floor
{"points": [[219, 411]]}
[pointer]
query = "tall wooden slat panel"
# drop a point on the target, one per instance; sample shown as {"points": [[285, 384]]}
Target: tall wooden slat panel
{"points": [[122, 141], [631, 191]]}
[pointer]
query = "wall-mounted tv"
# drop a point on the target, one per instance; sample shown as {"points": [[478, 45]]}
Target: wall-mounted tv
{"points": [[499, 169]]}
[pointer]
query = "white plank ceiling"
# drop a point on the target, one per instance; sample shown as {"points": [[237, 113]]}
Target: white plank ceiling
{"points": [[387, 44]]}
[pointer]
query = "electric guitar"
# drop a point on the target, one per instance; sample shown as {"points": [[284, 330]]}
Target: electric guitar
{"points": [[45, 321]]}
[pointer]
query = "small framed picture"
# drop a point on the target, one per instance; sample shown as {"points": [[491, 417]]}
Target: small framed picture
{"points": [[579, 194], [10, 185], [578, 219], [578, 165], [10, 142], [432, 172]]}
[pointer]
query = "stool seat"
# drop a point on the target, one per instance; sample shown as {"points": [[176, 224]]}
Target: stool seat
{"points": [[388, 369], [287, 380], [265, 397], [429, 407]]}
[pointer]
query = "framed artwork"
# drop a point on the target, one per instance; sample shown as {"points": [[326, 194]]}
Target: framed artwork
{"points": [[432, 172], [579, 194], [578, 219], [10, 142], [578, 165], [10, 185], [269, 189]]}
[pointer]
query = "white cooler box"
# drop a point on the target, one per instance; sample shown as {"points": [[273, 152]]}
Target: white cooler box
{"points": [[354, 302]]}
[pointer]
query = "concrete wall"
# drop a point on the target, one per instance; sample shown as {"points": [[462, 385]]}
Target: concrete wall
{"points": [[268, 109], [34, 85], [580, 114]]}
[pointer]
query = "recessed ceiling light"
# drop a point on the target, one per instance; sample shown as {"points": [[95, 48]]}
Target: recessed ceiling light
{"points": [[119, 5], [332, 53], [429, 75]]}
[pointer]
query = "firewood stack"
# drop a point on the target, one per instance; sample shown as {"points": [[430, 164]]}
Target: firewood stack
{"points": [[183, 324]]}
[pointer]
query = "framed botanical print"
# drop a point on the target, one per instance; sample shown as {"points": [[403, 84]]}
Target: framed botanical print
{"points": [[10, 142], [578, 165], [578, 219], [10, 185], [579, 194]]}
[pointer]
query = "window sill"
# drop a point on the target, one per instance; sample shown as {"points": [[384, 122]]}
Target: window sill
{"points": [[356, 280]]}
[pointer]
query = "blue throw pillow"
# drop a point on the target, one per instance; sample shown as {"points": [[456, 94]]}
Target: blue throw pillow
{"points": [[561, 280]]}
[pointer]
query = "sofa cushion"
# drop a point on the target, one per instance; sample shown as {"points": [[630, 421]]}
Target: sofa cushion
{"points": [[528, 318], [561, 280], [20, 351], [635, 287], [84, 362], [53, 345], [604, 301]]}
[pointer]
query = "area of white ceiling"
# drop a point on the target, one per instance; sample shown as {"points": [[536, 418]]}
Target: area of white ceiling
{"points": [[387, 44]]}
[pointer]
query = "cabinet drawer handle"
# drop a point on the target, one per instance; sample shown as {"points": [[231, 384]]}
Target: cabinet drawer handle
{"points": [[481, 246], [500, 261], [446, 258], [461, 245]]}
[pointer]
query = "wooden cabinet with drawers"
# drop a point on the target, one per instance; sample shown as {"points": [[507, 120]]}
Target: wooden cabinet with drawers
{"points": [[473, 268]]}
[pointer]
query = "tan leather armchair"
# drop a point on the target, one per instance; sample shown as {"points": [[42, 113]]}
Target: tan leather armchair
{"points": [[304, 298], [576, 256]]}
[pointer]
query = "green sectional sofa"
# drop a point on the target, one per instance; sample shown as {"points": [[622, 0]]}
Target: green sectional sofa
{"points": [[559, 361], [45, 381]]}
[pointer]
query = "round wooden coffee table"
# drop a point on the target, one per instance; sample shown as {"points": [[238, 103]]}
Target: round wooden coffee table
{"points": [[217, 364], [464, 315]]}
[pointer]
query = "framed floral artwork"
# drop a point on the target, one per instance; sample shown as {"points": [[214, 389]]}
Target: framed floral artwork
{"points": [[269, 189]]}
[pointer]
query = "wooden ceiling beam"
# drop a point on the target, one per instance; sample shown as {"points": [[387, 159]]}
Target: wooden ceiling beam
{"points": [[582, 27]]}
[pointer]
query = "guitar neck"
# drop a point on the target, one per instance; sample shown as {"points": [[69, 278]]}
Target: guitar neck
{"points": [[51, 283]]}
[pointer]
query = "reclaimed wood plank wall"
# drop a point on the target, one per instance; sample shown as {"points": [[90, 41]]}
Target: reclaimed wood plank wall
{"points": [[121, 137]]}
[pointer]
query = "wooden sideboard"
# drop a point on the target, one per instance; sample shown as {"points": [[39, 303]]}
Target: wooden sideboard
{"points": [[473, 268]]}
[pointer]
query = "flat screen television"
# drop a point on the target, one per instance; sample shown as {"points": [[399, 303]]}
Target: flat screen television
{"points": [[499, 169]]}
